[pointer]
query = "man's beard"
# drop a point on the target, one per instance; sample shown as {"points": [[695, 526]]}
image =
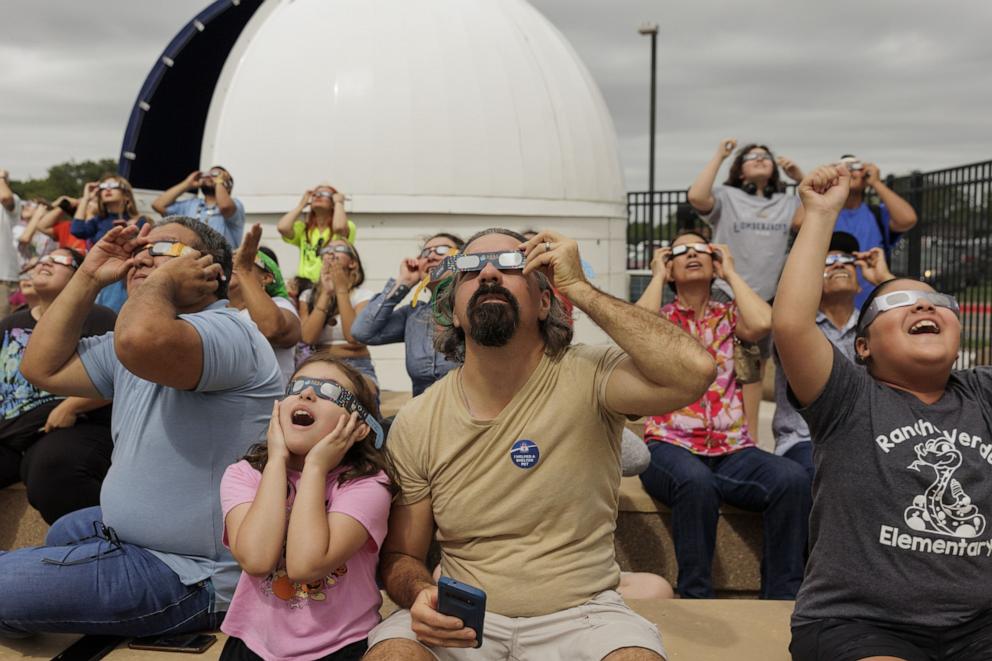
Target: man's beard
{"points": [[493, 324]]}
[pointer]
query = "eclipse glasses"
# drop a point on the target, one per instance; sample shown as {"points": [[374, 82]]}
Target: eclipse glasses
{"points": [[324, 193], [64, 260], [904, 298], [334, 392], [344, 250], [441, 251], [110, 184], [162, 249], [842, 258], [703, 248], [756, 156], [504, 261]]}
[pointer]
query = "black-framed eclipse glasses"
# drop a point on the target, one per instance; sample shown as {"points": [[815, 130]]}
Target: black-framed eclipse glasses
{"points": [[904, 298], [440, 251], [842, 258], [504, 261], [334, 392]]}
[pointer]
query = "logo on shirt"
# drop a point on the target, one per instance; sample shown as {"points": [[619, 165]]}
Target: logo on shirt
{"points": [[943, 508], [525, 454]]}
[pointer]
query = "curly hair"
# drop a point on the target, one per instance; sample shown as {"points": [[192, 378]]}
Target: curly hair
{"points": [[734, 176], [362, 459], [556, 329]]}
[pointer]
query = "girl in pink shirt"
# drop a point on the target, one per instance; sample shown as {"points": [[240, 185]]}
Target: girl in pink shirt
{"points": [[304, 515]]}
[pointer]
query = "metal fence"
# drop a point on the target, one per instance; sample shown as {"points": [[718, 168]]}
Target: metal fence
{"points": [[950, 247]]}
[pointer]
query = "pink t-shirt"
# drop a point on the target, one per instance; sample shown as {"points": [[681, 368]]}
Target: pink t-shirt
{"points": [[278, 619]]}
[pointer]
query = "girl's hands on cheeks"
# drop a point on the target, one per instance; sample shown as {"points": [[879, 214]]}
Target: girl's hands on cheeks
{"points": [[327, 454], [276, 439]]}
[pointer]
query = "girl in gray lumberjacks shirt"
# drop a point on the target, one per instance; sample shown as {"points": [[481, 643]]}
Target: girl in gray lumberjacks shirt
{"points": [[900, 563]]}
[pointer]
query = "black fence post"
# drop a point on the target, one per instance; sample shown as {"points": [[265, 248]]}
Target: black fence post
{"points": [[915, 253]]}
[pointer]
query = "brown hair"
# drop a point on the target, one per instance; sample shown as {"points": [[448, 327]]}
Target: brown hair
{"points": [[556, 329], [130, 209], [358, 277], [362, 459], [311, 218], [734, 176]]}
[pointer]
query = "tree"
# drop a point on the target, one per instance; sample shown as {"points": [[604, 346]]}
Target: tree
{"points": [[64, 179]]}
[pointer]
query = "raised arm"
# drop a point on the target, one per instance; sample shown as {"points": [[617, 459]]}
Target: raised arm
{"points": [[82, 227], [342, 292], [754, 315], [666, 368], [52, 218], [805, 353], [319, 541], [701, 191], [280, 327], [51, 361], [339, 221], [256, 530], [6, 194], [380, 322], [167, 198], [653, 294], [34, 224], [225, 203], [902, 215], [149, 325], [285, 224]]}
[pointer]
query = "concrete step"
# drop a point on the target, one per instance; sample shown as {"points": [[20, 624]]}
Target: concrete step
{"points": [[696, 630]]}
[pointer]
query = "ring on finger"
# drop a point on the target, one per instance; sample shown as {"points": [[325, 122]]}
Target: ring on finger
{"points": [[547, 246]]}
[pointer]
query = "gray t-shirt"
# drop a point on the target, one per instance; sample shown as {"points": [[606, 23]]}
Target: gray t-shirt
{"points": [[757, 231], [171, 447], [788, 426], [902, 501]]}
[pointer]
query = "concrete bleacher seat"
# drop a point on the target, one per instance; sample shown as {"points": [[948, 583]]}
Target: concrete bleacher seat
{"points": [[692, 630]]}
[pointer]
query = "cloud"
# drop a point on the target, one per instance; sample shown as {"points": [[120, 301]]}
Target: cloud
{"points": [[903, 83]]}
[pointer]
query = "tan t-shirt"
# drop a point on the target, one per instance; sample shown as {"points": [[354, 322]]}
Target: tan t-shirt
{"points": [[525, 504]]}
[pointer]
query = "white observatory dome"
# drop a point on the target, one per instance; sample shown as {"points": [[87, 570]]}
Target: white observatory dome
{"points": [[477, 107]]}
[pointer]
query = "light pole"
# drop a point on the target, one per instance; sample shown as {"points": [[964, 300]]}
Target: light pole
{"points": [[652, 29]]}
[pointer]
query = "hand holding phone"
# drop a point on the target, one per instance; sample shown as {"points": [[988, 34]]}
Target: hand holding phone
{"points": [[466, 602], [192, 643]]}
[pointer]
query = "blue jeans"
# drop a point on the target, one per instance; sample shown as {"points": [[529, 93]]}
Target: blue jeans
{"points": [[752, 479], [802, 454], [87, 581]]}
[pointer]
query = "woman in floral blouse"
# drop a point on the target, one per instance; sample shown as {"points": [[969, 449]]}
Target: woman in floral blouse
{"points": [[703, 455]]}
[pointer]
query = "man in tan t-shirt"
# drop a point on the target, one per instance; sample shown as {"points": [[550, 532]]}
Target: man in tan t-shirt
{"points": [[514, 457]]}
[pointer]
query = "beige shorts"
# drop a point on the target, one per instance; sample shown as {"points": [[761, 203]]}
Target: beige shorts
{"points": [[587, 632]]}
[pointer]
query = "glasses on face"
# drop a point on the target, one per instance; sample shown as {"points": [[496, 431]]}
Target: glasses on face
{"points": [[330, 250], [162, 249], [64, 260], [110, 185], [904, 298], [756, 156], [440, 251], [213, 174], [324, 193], [334, 392], [841, 258], [504, 261], [682, 249], [852, 164]]}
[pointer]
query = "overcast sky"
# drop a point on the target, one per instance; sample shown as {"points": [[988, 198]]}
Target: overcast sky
{"points": [[904, 83]]}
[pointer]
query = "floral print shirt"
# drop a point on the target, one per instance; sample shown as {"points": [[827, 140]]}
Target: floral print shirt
{"points": [[715, 425]]}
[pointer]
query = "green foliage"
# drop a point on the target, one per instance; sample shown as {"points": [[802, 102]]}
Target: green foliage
{"points": [[64, 179]]}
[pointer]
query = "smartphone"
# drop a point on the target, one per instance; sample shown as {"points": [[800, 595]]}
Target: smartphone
{"points": [[193, 643], [89, 648], [463, 601]]}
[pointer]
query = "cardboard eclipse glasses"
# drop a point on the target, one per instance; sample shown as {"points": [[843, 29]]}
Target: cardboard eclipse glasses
{"points": [[504, 261], [904, 298], [334, 392]]}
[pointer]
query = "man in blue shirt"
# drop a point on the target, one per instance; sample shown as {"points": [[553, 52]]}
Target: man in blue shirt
{"points": [[873, 226], [193, 385], [217, 208]]}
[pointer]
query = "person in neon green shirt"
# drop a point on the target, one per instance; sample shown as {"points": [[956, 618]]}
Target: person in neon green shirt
{"points": [[324, 222]]}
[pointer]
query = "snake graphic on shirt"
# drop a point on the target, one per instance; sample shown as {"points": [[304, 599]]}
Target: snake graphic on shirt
{"points": [[944, 508]]}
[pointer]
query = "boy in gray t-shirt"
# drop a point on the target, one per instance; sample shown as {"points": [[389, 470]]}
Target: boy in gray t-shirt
{"points": [[900, 542]]}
